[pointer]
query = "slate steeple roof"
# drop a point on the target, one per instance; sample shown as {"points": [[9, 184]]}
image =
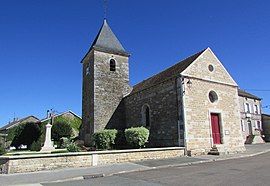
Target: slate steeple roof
{"points": [[107, 41]]}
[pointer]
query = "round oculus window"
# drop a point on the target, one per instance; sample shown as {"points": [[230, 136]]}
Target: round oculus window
{"points": [[213, 97], [211, 68]]}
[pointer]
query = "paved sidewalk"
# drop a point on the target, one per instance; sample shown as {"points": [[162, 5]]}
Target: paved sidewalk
{"points": [[106, 170], [65, 174], [251, 150]]}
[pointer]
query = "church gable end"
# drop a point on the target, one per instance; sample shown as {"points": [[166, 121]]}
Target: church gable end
{"points": [[208, 67]]}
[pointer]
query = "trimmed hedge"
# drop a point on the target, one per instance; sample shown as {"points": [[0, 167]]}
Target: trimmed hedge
{"points": [[105, 139], [137, 137], [120, 140]]}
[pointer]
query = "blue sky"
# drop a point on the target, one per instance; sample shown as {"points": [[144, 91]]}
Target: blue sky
{"points": [[42, 43]]}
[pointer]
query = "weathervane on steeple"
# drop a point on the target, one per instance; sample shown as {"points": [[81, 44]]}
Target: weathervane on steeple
{"points": [[105, 7]]}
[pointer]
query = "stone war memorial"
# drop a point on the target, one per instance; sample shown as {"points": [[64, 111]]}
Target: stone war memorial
{"points": [[193, 104]]}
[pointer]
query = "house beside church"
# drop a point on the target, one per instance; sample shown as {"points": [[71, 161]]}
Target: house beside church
{"points": [[193, 104], [251, 118], [16, 122]]}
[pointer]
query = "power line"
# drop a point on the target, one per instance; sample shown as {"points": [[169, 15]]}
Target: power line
{"points": [[258, 90], [266, 106]]}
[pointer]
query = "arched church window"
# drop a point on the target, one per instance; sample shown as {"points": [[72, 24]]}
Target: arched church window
{"points": [[146, 116], [112, 65]]}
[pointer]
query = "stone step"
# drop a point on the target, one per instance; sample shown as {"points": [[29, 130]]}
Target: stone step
{"points": [[213, 151]]}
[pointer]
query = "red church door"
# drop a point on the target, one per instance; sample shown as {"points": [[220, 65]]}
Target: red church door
{"points": [[215, 128]]}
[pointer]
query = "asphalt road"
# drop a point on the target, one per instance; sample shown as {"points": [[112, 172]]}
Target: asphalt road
{"points": [[245, 171]]}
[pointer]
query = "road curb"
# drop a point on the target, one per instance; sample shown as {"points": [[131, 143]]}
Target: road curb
{"points": [[193, 163]]}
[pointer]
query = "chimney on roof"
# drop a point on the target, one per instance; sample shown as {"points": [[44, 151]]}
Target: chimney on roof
{"points": [[15, 119], [48, 114]]}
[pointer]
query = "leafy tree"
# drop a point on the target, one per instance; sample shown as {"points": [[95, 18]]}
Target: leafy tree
{"points": [[75, 122], [26, 134], [14, 131], [60, 130], [36, 145], [2, 149]]}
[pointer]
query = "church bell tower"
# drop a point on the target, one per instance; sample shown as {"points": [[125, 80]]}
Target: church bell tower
{"points": [[105, 83]]}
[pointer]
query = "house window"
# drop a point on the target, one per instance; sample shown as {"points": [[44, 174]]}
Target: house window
{"points": [[112, 65], [247, 108], [146, 116], [259, 125], [256, 109], [243, 127]]}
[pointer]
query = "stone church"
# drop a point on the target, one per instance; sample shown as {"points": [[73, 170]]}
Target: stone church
{"points": [[193, 104]]}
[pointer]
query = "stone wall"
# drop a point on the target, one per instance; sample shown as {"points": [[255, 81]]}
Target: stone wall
{"points": [[138, 155], [163, 104], [38, 163], [32, 163]]}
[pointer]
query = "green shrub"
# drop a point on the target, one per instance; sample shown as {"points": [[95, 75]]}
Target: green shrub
{"points": [[137, 137], [59, 151], [35, 146], [2, 149], [120, 140], [64, 142], [72, 147], [105, 139], [60, 130], [26, 134]]}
